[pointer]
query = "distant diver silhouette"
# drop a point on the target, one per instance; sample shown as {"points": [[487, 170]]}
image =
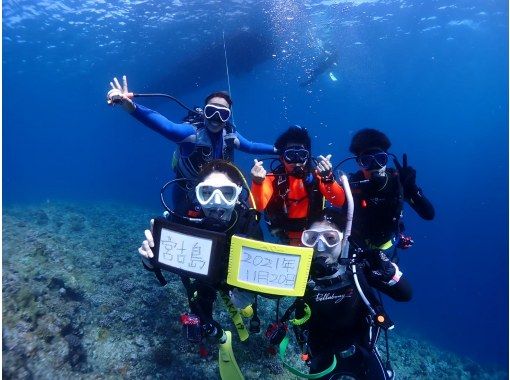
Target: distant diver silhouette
{"points": [[326, 61]]}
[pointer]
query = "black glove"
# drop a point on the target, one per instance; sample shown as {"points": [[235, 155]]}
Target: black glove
{"points": [[381, 268], [407, 175]]}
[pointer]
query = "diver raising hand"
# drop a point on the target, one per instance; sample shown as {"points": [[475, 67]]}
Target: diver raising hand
{"points": [[407, 175], [205, 134], [120, 94]]}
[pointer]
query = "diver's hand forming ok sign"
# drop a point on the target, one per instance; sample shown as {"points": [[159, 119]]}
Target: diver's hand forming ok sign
{"points": [[120, 94]]}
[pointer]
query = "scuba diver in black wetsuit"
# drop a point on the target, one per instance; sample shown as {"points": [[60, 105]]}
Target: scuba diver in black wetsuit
{"points": [[218, 191], [337, 321], [379, 193]]}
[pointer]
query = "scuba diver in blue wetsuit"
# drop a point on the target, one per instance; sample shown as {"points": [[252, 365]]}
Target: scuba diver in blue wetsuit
{"points": [[207, 135]]}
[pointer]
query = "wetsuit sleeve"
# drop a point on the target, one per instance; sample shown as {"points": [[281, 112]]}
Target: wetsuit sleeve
{"points": [[386, 276], [390, 282], [332, 191], [262, 192], [248, 146], [401, 291], [157, 122], [420, 204]]}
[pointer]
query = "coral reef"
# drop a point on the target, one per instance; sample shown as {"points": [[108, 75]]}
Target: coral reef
{"points": [[77, 304]]}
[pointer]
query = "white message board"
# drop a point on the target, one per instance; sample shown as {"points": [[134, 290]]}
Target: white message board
{"points": [[266, 268], [185, 252]]}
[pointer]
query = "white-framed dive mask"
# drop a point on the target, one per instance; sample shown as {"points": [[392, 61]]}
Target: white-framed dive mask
{"points": [[217, 199], [330, 237], [327, 247]]}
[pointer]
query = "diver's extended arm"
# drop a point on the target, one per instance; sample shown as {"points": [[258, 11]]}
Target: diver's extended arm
{"points": [[248, 146], [157, 122], [119, 94], [386, 276], [401, 291], [420, 204]]}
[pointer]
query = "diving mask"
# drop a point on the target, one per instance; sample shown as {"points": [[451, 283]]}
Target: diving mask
{"points": [[212, 110], [212, 194], [217, 199], [296, 155], [373, 161], [329, 237]]}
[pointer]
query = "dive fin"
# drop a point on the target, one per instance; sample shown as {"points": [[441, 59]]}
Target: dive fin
{"points": [[236, 317], [229, 370]]}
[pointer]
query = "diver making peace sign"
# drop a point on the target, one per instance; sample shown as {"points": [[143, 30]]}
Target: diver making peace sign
{"points": [[208, 135]]}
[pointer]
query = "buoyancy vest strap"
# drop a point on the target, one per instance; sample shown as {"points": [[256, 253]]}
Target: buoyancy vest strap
{"points": [[157, 272], [383, 246]]}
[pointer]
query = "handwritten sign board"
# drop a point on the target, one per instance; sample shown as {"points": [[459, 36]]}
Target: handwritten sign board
{"points": [[188, 251], [268, 268]]}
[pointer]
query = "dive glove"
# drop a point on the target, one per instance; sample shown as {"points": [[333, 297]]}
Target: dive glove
{"points": [[381, 268], [407, 175]]}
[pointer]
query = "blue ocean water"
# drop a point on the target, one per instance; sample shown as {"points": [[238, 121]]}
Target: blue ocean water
{"points": [[431, 74]]}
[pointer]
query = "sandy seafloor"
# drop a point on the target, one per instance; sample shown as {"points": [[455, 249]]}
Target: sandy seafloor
{"points": [[77, 304]]}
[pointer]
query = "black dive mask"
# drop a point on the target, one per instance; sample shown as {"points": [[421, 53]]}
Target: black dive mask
{"points": [[373, 159]]}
